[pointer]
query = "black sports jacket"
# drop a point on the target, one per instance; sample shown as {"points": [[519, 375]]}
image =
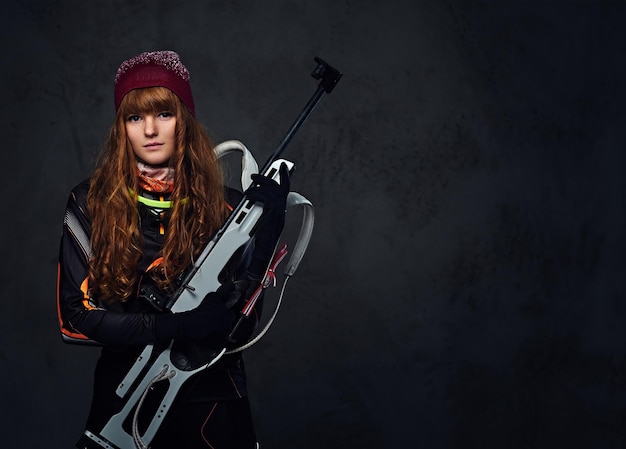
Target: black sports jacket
{"points": [[123, 329]]}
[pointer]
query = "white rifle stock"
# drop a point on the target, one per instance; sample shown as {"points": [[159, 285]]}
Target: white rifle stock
{"points": [[170, 365]]}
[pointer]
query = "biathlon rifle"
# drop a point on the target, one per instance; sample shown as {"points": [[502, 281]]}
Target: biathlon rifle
{"points": [[173, 363]]}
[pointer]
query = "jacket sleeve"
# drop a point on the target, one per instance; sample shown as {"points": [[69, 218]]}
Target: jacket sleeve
{"points": [[81, 319], [242, 269]]}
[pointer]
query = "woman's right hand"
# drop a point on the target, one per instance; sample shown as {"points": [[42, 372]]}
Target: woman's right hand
{"points": [[210, 320]]}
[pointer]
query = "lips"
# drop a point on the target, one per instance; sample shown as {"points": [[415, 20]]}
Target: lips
{"points": [[152, 145]]}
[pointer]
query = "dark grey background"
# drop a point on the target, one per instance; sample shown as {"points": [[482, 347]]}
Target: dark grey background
{"points": [[463, 288]]}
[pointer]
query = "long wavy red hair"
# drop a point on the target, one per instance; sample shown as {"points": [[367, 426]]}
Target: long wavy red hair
{"points": [[116, 239]]}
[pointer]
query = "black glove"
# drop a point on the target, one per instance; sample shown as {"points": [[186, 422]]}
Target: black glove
{"points": [[236, 294], [210, 320], [274, 198]]}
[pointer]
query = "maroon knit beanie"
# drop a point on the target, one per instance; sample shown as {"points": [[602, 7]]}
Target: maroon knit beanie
{"points": [[151, 69]]}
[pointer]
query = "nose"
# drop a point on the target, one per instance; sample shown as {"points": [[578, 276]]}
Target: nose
{"points": [[150, 126]]}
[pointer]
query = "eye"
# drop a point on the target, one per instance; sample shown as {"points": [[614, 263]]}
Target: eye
{"points": [[165, 114], [133, 118]]}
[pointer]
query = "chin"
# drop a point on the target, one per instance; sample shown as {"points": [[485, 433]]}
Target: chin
{"points": [[154, 160]]}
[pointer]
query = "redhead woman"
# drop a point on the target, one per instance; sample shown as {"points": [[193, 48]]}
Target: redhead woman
{"points": [[153, 202]]}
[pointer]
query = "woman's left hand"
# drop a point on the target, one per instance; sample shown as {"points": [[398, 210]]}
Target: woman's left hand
{"points": [[274, 198], [272, 194]]}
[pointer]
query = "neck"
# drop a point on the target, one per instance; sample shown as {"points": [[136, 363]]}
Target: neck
{"points": [[156, 178]]}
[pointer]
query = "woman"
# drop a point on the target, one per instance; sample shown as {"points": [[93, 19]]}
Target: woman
{"points": [[154, 201]]}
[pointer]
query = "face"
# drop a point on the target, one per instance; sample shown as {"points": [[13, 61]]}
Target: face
{"points": [[152, 136]]}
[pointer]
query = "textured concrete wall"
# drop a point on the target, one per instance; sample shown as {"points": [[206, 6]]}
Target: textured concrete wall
{"points": [[463, 287]]}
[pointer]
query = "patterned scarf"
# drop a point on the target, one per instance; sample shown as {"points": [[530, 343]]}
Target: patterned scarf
{"points": [[155, 179]]}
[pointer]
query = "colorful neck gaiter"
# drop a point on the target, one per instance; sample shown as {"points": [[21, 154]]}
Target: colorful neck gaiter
{"points": [[155, 179]]}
